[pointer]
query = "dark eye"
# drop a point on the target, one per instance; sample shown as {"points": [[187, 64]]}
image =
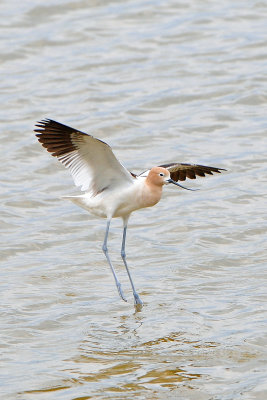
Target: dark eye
{"points": [[161, 174]]}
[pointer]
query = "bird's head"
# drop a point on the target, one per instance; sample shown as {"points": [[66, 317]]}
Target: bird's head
{"points": [[159, 176]]}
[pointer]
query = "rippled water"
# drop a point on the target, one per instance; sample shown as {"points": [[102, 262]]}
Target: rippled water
{"points": [[160, 81]]}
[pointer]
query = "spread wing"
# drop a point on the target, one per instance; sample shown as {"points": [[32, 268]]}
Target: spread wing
{"points": [[91, 162], [179, 171]]}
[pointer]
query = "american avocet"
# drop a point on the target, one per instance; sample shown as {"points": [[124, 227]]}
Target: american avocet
{"points": [[111, 191]]}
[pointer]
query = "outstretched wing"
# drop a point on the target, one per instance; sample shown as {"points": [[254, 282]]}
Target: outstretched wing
{"points": [[179, 171], [91, 162]]}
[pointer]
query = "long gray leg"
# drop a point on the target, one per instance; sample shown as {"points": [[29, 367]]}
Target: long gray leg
{"points": [[137, 299], [105, 250]]}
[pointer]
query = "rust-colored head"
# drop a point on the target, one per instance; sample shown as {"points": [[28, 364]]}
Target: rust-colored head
{"points": [[158, 176]]}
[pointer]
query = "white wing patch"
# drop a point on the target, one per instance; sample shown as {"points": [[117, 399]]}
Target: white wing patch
{"points": [[91, 162]]}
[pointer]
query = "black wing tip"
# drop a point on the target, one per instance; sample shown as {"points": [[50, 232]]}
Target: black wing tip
{"points": [[182, 171], [207, 168], [192, 165], [218, 170], [48, 125], [44, 123]]}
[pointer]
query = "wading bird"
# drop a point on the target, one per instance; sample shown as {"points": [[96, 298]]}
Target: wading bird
{"points": [[110, 190]]}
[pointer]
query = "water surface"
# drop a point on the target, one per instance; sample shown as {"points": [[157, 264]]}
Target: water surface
{"points": [[160, 81]]}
